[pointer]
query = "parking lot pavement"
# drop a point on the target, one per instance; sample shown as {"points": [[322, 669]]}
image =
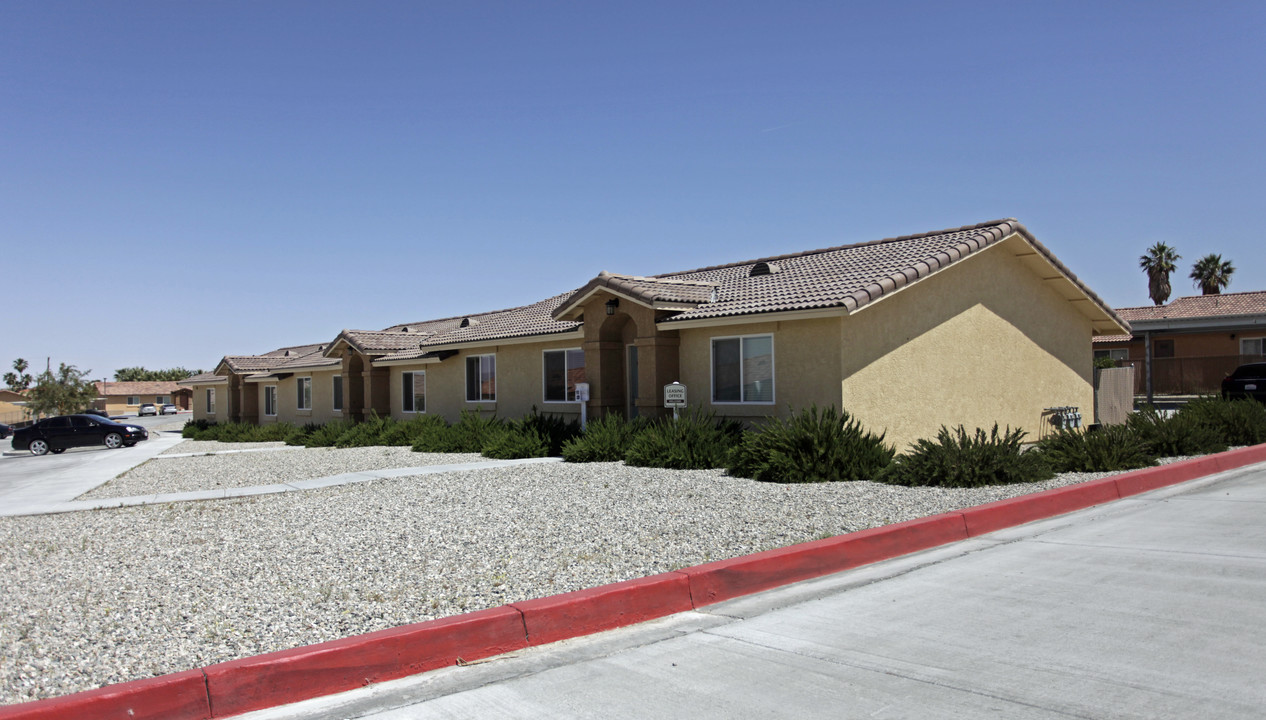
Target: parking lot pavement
{"points": [[28, 482], [1152, 606]]}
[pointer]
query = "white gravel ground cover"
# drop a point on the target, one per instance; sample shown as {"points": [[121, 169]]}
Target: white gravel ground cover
{"points": [[92, 598], [210, 446], [245, 469]]}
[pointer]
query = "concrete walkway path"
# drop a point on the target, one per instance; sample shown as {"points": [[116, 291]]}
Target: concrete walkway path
{"points": [[1151, 606], [50, 488]]}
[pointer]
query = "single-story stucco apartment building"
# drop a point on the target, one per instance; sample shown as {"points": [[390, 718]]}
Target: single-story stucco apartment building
{"points": [[973, 325], [123, 398]]}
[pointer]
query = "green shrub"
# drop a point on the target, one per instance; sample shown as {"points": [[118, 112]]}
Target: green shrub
{"points": [[533, 435], [366, 433], [957, 459], [696, 441], [468, 435], [1104, 362], [235, 432], [194, 429], [407, 433], [1179, 434], [299, 435], [606, 439], [811, 446], [327, 435], [1238, 422], [517, 442], [1112, 448]]}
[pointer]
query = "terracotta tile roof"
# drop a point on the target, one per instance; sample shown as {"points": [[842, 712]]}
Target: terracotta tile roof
{"points": [[106, 389], [849, 276], [202, 379], [1201, 306], [1112, 338], [653, 291], [269, 360], [528, 320], [380, 342], [534, 319]]}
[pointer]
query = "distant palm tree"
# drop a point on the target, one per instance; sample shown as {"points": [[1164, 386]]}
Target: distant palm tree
{"points": [[1158, 263], [1212, 274]]}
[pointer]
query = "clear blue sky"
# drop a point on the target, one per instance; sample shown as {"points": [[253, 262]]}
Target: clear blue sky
{"points": [[180, 181]]}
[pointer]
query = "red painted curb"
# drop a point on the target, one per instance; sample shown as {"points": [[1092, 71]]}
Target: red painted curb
{"points": [[179, 695], [288, 676], [727, 579], [584, 612], [1026, 508]]}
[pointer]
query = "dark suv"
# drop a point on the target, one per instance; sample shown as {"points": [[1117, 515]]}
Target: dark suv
{"points": [[1248, 381], [57, 434]]}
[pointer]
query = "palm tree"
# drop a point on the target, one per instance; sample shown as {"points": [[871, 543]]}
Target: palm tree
{"points": [[1212, 274], [1158, 263]]}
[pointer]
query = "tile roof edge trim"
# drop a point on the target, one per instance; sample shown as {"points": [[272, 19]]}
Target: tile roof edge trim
{"points": [[509, 339], [1070, 276], [827, 311]]}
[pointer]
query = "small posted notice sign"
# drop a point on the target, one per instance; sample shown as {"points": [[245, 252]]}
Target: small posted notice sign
{"points": [[674, 395]]}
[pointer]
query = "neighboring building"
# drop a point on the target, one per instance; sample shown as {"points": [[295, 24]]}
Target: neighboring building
{"points": [[125, 398], [973, 325], [12, 407], [1194, 341]]}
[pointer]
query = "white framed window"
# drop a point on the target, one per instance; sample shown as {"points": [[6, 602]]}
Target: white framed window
{"points": [[1253, 346], [481, 378], [303, 401], [563, 369], [337, 393], [270, 400], [133, 399], [743, 369], [162, 399], [210, 401], [413, 392]]}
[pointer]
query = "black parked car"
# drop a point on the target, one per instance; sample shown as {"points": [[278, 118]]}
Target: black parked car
{"points": [[4, 431], [1248, 381], [56, 434]]}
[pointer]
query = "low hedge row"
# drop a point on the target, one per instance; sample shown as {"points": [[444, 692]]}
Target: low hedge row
{"points": [[814, 445]]}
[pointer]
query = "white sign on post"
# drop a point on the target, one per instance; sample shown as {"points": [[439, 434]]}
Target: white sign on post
{"points": [[582, 397], [674, 396]]}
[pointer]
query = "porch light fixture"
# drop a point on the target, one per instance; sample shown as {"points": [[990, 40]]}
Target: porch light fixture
{"points": [[612, 304]]}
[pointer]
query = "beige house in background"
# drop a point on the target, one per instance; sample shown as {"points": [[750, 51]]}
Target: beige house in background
{"points": [[125, 398], [973, 325], [12, 407]]}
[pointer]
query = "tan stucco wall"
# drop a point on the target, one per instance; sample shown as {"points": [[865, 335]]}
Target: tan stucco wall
{"points": [[806, 366], [520, 383], [288, 411], [981, 342], [200, 403]]}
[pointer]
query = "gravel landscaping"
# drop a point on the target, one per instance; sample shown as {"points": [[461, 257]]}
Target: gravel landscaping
{"points": [[92, 598]]}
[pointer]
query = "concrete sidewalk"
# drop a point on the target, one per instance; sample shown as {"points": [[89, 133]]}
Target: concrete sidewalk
{"points": [[51, 490], [1151, 606], [32, 483]]}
